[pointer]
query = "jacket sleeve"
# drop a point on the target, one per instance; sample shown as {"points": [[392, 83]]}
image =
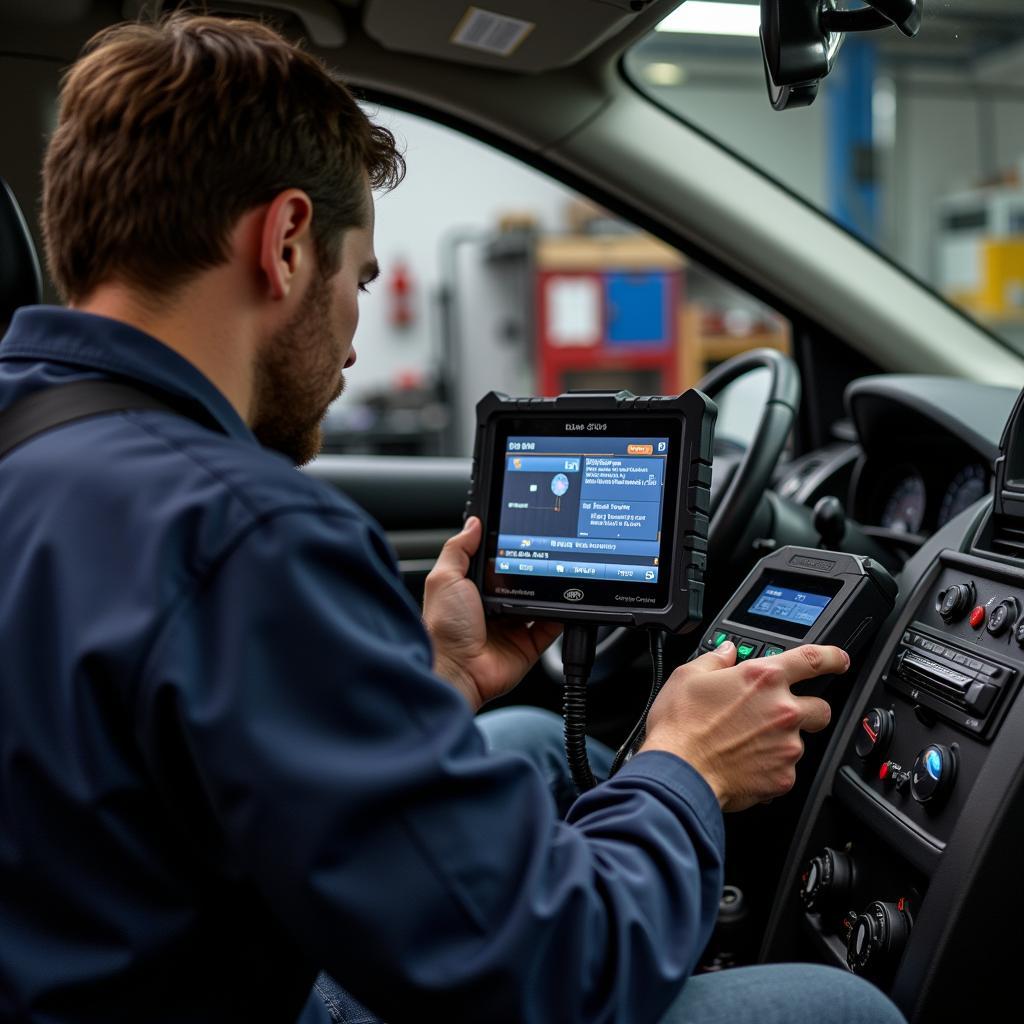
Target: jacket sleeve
{"points": [[292, 696]]}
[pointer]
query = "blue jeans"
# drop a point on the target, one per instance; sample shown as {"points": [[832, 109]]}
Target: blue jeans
{"points": [[771, 994]]}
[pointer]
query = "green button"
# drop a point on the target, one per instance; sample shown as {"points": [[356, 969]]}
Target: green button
{"points": [[719, 639], [744, 651], [769, 651]]}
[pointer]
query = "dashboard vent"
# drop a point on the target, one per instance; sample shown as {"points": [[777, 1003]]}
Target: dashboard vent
{"points": [[1002, 532], [1007, 536]]}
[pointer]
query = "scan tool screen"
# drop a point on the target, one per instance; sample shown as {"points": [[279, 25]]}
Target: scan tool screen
{"points": [[582, 508], [787, 604]]}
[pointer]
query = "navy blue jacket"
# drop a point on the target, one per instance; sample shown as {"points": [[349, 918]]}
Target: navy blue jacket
{"points": [[225, 761]]}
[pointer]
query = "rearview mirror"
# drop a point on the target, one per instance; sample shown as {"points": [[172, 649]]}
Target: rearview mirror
{"points": [[800, 40]]}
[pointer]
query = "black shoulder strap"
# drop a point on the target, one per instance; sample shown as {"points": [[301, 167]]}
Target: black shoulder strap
{"points": [[65, 403]]}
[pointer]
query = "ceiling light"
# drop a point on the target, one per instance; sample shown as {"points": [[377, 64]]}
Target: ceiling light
{"points": [[701, 17], [659, 73]]}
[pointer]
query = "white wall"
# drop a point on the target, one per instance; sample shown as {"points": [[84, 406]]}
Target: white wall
{"points": [[940, 150], [453, 183], [790, 146]]}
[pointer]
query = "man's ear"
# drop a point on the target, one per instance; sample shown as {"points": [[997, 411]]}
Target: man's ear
{"points": [[285, 240]]}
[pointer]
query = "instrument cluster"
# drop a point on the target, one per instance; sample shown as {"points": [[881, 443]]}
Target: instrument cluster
{"points": [[918, 497]]}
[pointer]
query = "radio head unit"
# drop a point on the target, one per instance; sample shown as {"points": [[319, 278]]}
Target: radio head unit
{"points": [[595, 507]]}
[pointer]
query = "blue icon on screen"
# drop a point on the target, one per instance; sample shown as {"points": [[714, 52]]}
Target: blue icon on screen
{"points": [[559, 484]]}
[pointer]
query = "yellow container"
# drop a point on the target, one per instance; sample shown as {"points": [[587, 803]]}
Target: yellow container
{"points": [[1000, 293]]}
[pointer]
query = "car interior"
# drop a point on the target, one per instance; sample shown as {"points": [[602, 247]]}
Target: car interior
{"points": [[889, 428]]}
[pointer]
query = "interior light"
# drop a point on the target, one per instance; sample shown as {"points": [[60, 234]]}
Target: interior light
{"points": [[663, 73], [702, 17]]}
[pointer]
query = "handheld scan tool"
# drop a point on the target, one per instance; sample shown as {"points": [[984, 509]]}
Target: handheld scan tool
{"points": [[800, 596], [595, 507], [595, 512]]}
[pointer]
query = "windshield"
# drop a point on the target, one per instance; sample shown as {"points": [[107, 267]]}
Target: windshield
{"points": [[916, 145]]}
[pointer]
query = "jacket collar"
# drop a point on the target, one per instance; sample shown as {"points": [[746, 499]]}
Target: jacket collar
{"points": [[53, 334]]}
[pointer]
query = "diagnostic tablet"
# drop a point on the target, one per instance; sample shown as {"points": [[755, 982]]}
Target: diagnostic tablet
{"points": [[595, 507]]}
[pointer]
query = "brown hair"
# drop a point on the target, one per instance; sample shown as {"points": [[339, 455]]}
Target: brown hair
{"points": [[169, 132]]}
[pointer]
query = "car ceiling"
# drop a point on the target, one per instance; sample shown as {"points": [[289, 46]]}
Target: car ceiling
{"points": [[563, 33], [559, 34], [580, 120]]}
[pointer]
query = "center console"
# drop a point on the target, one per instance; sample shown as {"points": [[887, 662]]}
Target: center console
{"points": [[905, 864]]}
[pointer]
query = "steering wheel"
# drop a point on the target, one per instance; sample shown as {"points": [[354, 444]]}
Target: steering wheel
{"points": [[737, 483]]}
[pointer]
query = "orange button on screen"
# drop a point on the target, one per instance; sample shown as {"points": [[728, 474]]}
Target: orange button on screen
{"points": [[640, 449]]}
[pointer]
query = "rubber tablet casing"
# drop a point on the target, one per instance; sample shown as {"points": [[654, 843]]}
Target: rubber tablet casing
{"points": [[684, 539]]}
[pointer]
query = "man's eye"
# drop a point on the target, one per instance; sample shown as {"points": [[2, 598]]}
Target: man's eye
{"points": [[364, 288]]}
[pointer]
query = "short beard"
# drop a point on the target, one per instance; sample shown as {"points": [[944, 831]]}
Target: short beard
{"points": [[296, 377]]}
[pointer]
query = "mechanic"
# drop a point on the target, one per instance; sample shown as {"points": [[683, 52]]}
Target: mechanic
{"points": [[231, 753]]}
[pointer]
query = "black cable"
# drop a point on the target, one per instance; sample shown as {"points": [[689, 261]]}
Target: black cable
{"points": [[636, 737], [578, 644]]}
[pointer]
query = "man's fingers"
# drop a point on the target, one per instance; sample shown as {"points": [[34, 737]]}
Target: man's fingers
{"points": [[722, 657], [810, 661], [457, 550], [531, 639], [816, 713]]}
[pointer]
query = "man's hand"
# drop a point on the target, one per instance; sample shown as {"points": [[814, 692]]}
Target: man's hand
{"points": [[483, 659], [739, 725]]}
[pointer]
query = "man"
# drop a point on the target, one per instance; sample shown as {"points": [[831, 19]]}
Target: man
{"points": [[229, 754]]}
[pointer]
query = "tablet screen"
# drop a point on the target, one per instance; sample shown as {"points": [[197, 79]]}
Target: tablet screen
{"points": [[582, 507]]}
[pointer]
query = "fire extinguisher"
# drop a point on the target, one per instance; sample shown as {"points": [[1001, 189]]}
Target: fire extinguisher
{"points": [[400, 295]]}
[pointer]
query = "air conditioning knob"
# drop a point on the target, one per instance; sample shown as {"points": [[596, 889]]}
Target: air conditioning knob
{"points": [[1003, 616], [827, 881], [878, 937], [933, 775], [955, 600], [875, 733]]}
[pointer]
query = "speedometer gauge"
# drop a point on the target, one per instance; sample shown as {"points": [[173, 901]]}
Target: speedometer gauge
{"points": [[904, 511], [970, 484]]}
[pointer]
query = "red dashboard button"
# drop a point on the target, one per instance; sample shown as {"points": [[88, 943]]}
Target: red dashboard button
{"points": [[883, 772], [977, 619]]}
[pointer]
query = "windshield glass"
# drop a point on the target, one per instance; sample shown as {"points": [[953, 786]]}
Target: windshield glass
{"points": [[916, 145]]}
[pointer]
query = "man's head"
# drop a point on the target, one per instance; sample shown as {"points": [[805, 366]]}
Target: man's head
{"points": [[186, 146]]}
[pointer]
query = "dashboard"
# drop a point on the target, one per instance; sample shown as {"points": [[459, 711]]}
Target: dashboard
{"points": [[902, 864], [920, 452]]}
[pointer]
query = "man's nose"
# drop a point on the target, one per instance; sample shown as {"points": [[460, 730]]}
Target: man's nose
{"points": [[351, 359]]}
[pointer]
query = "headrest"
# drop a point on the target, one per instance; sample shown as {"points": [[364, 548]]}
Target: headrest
{"points": [[20, 280]]}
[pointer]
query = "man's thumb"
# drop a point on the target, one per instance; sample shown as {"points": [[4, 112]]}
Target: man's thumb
{"points": [[458, 550]]}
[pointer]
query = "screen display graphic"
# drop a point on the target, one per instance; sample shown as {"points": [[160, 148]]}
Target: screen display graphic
{"points": [[799, 607], [586, 507]]}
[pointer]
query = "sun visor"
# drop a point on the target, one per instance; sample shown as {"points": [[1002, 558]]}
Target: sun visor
{"points": [[514, 35]]}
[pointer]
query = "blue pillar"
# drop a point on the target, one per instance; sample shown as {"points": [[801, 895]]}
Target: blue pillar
{"points": [[853, 189]]}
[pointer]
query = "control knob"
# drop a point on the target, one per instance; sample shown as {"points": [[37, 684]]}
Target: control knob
{"points": [[955, 600], [1002, 616], [933, 774], [878, 937], [827, 881], [875, 733]]}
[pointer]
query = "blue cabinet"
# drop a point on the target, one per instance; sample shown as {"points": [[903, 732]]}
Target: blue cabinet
{"points": [[638, 309]]}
